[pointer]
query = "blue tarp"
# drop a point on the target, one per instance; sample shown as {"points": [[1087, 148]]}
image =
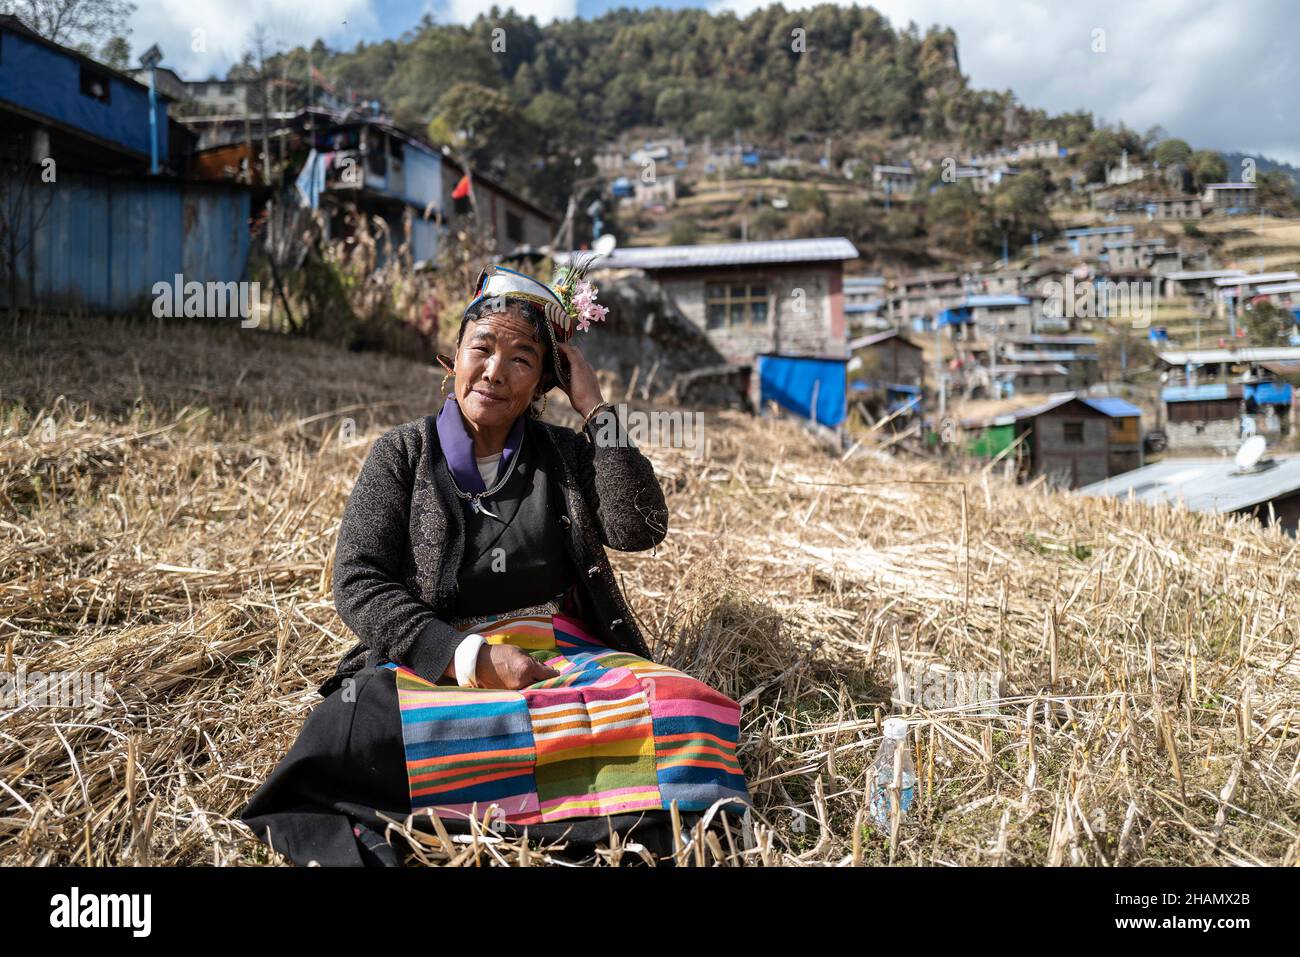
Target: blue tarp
{"points": [[789, 382], [1195, 393], [954, 317], [1268, 393], [899, 396]]}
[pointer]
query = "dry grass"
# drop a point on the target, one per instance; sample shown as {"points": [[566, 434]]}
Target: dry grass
{"points": [[168, 508]]}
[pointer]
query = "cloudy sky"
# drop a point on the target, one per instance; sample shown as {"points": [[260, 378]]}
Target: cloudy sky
{"points": [[1222, 74]]}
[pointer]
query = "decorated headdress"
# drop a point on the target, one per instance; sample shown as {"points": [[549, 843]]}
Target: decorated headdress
{"points": [[568, 303]]}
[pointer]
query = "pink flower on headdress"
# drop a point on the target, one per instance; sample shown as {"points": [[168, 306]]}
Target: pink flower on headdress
{"points": [[589, 311]]}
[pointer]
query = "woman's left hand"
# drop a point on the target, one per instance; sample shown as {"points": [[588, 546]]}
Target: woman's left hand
{"points": [[583, 390]]}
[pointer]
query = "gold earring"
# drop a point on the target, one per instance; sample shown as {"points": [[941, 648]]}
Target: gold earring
{"points": [[445, 391]]}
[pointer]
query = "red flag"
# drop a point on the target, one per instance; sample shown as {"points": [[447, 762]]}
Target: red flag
{"points": [[462, 188]]}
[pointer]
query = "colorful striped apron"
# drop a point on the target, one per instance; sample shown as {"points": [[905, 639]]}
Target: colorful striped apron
{"points": [[612, 733]]}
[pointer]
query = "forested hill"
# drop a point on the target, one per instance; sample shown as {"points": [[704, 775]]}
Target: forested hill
{"points": [[824, 71]]}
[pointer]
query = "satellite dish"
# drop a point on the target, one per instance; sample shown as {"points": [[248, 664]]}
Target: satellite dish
{"points": [[604, 245], [1251, 451]]}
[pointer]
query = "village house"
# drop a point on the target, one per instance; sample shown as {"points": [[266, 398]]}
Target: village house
{"points": [[1129, 253], [784, 297], [388, 173], [919, 298], [887, 358], [1229, 198], [1216, 397], [1089, 242], [1023, 153], [894, 180], [660, 191], [865, 304], [1165, 260], [1195, 282], [1164, 208], [230, 96], [1013, 378], [93, 124], [1072, 439], [1078, 355], [1231, 291], [995, 317], [1285, 295]]}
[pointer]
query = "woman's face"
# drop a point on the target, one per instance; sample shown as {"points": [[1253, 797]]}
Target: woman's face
{"points": [[498, 369]]}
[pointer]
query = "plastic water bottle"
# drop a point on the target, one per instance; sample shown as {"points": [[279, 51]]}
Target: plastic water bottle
{"points": [[882, 770]]}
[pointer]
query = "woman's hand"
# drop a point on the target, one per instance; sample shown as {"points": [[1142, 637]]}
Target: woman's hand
{"points": [[584, 390], [508, 667]]}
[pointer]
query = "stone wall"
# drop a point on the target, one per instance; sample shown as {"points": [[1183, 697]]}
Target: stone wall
{"points": [[799, 314]]}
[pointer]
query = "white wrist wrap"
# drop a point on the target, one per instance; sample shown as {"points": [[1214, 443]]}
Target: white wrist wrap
{"points": [[467, 660]]}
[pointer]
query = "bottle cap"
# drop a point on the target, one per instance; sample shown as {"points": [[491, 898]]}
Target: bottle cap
{"points": [[896, 728]]}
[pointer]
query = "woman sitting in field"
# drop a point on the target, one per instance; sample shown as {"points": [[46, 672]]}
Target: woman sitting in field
{"points": [[500, 672]]}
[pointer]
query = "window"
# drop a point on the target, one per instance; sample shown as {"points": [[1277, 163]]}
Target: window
{"points": [[735, 304], [514, 227], [94, 84], [1073, 431]]}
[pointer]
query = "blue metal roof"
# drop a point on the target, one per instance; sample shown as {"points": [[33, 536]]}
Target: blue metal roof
{"points": [[1113, 406], [1097, 231], [996, 301]]}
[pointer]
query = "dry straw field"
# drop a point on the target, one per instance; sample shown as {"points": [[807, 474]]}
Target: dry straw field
{"points": [[169, 501]]}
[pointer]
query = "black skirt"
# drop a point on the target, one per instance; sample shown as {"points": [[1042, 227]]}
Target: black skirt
{"points": [[332, 797]]}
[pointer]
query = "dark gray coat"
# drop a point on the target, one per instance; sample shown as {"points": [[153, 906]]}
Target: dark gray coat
{"points": [[403, 535]]}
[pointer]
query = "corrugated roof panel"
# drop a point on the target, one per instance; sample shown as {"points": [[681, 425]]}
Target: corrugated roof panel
{"points": [[731, 254], [1205, 485]]}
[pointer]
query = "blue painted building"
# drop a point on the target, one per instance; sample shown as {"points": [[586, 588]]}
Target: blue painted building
{"points": [[389, 173], [53, 87], [92, 229]]}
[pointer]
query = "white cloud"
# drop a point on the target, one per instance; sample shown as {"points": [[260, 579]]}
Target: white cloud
{"points": [[1221, 74], [464, 11], [199, 39]]}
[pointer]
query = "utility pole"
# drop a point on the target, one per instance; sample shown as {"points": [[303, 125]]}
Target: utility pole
{"points": [[284, 83], [259, 44], [150, 60]]}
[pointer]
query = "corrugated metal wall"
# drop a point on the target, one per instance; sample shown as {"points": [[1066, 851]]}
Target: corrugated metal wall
{"points": [[102, 243]]}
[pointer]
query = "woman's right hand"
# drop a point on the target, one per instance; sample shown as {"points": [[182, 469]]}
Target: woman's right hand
{"points": [[508, 667]]}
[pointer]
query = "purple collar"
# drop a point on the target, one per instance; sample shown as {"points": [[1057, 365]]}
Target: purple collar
{"points": [[458, 447]]}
